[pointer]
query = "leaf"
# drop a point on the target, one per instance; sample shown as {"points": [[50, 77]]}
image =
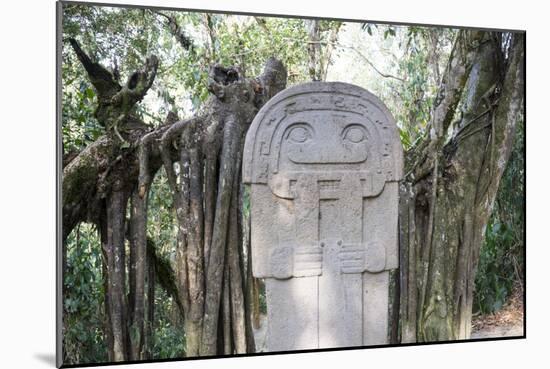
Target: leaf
{"points": [[90, 93]]}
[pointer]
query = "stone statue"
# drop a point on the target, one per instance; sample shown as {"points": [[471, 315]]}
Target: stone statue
{"points": [[323, 160]]}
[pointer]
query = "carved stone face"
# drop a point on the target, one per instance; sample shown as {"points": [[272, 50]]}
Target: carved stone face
{"points": [[312, 139], [315, 141], [325, 131], [324, 146]]}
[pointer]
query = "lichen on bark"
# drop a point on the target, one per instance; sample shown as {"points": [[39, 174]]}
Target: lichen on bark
{"points": [[451, 183]]}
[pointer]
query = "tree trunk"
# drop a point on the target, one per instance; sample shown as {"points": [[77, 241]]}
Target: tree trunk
{"points": [[207, 148], [138, 270], [214, 277], [314, 49], [116, 270], [150, 321], [452, 178], [236, 268]]}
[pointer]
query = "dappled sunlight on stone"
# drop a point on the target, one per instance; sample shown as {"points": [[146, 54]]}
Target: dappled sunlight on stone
{"points": [[323, 160]]}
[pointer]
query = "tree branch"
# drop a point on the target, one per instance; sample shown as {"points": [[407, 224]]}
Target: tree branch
{"points": [[353, 48], [458, 68], [137, 85], [101, 78], [466, 48], [176, 30], [164, 274]]}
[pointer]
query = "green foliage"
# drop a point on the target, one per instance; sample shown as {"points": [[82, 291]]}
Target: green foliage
{"points": [[118, 38], [161, 222], [421, 64], [501, 257], [495, 278], [84, 314], [169, 335], [262, 298], [388, 31], [408, 72], [83, 305], [80, 127], [122, 38], [249, 42]]}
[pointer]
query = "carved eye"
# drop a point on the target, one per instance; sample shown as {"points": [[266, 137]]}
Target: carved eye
{"points": [[354, 134], [299, 134]]}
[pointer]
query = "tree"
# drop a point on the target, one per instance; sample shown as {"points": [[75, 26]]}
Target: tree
{"points": [[452, 177], [98, 183]]}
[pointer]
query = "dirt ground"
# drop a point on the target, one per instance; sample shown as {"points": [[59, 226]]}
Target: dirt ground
{"points": [[504, 323]]}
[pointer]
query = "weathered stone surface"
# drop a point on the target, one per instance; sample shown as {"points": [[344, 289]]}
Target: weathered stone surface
{"points": [[323, 161]]}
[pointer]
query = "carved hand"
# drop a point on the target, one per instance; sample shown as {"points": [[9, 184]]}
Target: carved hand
{"points": [[301, 261], [308, 261], [358, 258]]}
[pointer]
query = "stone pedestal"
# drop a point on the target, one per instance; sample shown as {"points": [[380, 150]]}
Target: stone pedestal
{"points": [[323, 161]]}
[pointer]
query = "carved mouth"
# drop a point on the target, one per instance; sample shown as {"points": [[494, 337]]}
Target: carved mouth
{"points": [[315, 154]]}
